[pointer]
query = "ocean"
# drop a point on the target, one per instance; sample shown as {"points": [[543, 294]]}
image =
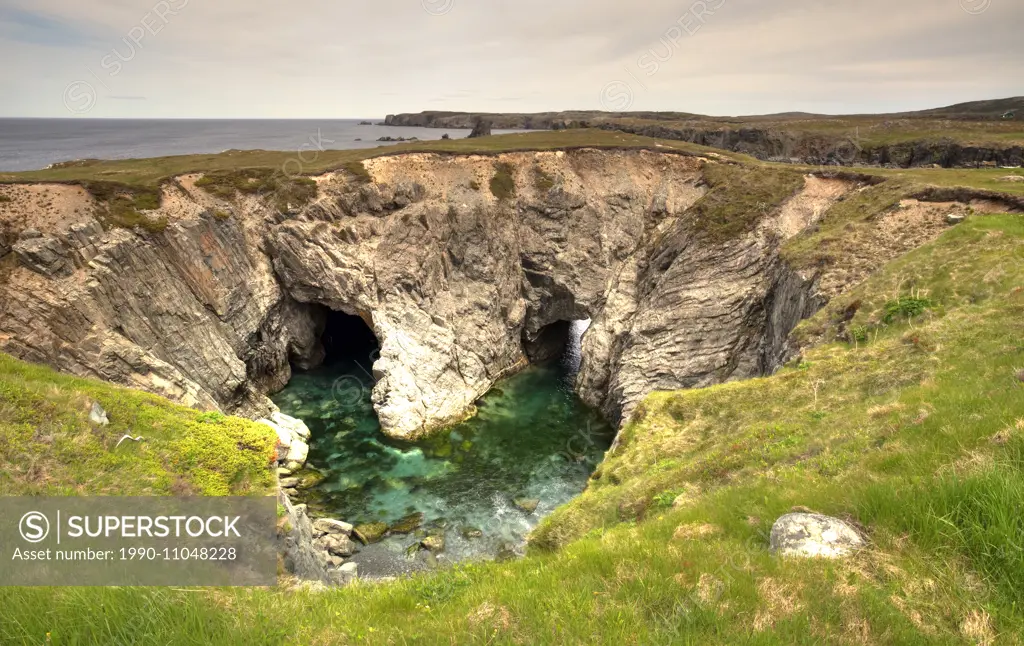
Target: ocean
{"points": [[32, 144]]}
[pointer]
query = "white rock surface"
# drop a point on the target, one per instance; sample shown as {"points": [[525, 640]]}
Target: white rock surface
{"points": [[331, 526], [814, 535], [292, 435], [97, 415]]}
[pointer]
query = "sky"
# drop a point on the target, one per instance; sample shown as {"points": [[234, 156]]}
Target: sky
{"points": [[347, 58]]}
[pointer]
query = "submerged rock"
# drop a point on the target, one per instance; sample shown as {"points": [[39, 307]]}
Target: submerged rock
{"points": [[470, 533], [370, 532], [528, 505], [813, 535], [407, 525]]}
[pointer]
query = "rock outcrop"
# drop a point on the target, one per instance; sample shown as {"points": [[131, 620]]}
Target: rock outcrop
{"points": [[481, 128], [460, 284], [813, 535]]}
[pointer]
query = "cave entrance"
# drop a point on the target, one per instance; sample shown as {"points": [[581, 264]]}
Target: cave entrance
{"points": [[348, 339], [559, 341]]}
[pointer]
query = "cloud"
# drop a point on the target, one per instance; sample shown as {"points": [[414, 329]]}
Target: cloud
{"points": [[28, 26], [323, 58]]}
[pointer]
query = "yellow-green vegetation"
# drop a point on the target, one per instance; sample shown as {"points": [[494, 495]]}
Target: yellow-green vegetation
{"points": [[914, 432], [542, 181], [992, 179], [503, 184], [121, 205], [48, 446], [286, 192], [358, 170], [740, 195]]}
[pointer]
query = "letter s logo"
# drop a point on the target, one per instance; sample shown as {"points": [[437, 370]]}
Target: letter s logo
{"points": [[34, 527]]}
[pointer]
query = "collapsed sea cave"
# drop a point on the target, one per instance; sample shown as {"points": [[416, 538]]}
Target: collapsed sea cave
{"points": [[472, 491]]}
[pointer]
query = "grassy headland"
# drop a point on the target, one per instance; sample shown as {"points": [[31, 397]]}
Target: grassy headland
{"points": [[912, 428]]}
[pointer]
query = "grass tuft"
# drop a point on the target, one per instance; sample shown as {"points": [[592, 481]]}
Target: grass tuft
{"points": [[503, 184]]}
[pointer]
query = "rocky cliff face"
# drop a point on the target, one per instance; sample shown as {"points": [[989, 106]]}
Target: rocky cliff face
{"points": [[461, 265]]}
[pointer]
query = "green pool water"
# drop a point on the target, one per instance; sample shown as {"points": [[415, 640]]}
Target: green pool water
{"points": [[533, 440]]}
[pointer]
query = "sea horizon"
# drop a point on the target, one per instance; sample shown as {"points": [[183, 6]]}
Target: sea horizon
{"points": [[35, 143]]}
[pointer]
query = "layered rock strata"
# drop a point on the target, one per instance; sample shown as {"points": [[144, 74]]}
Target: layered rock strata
{"points": [[464, 267]]}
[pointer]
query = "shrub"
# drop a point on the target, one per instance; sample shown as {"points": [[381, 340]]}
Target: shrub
{"points": [[503, 186], [905, 308]]}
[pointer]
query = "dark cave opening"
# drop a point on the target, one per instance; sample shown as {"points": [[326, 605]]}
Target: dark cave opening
{"points": [[348, 338], [559, 341]]}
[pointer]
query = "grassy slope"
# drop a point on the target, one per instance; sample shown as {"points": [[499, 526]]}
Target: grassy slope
{"points": [[917, 433], [49, 447], [867, 131]]}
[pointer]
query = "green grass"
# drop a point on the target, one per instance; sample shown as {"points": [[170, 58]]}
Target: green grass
{"points": [[916, 433], [49, 447], [284, 191], [741, 195]]}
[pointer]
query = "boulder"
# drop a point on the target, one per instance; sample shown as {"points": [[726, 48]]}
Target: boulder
{"points": [[338, 544], [349, 573], [528, 505], [813, 535], [370, 532], [407, 525], [289, 483], [292, 438], [97, 415], [433, 543], [330, 526], [298, 452], [295, 427]]}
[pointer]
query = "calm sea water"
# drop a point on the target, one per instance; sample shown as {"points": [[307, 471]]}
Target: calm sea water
{"points": [[532, 440], [31, 144]]}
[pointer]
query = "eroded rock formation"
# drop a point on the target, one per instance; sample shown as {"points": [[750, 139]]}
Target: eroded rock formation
{"points": [[459, 277]]}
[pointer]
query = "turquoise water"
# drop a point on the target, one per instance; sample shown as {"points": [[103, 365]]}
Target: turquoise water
{"points": [[533, 440]]}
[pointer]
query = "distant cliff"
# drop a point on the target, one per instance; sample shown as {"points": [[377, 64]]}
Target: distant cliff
{"points": [[963, 139]]}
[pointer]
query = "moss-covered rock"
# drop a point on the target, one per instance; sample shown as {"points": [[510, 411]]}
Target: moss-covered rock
{"points": [[369, 533], [408, 524]]}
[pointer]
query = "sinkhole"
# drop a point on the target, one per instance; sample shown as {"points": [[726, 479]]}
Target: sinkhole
{"points": [[480, 486]]}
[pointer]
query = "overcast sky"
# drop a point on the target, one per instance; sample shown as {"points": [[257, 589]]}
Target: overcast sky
{"points": [[347, 58]]}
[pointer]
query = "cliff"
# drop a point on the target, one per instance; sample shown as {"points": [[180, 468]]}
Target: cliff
{"points": [[968, 136], [462, 266]]}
